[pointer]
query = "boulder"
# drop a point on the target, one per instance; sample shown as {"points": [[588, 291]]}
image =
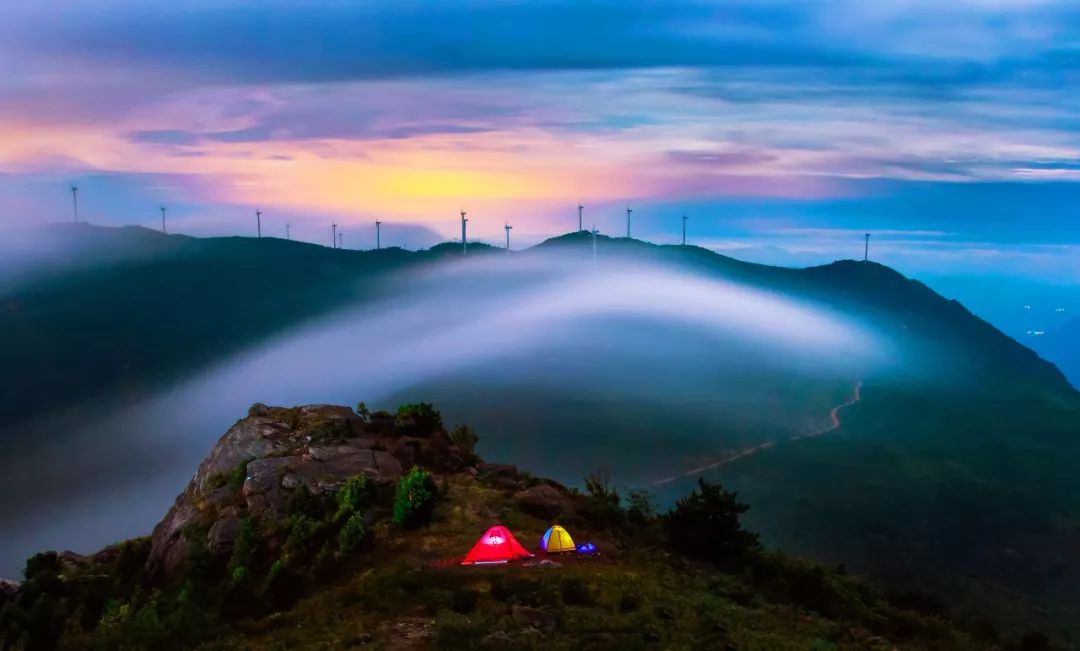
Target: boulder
{"points": [[544, 501], [259, 463], [223, 533], [8, 590], [502, 475]]}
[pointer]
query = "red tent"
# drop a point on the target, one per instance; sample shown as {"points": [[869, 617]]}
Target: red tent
{"points": [[497, 545]]}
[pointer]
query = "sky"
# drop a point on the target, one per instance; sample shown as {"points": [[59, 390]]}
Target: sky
{"points": [[784, 130]]}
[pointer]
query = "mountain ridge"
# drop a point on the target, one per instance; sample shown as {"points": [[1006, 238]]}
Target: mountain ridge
{"points": [[171, 288]]}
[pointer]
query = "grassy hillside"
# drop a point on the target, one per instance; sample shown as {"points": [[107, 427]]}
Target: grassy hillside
{"points": [[376, 565]]}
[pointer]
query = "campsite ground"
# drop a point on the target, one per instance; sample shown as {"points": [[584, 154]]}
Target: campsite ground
{"points": [[408, 592]]}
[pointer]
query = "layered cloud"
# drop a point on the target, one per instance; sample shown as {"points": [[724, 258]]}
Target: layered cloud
{"points": [[410, 111]]}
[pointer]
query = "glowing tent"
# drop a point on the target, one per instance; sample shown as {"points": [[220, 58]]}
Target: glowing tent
{"points": [[497, 545], [556, 540]]}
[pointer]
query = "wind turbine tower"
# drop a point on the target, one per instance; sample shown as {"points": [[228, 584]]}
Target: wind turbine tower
{"points": [[378, 234], [508, 227], [579, 209], [464, 235], [341, 239], [684, 229], [163, 219], [288, 236], [333, 235], [594, 232], [866, 249], [75, 201], [628, 211], [258, 224]]}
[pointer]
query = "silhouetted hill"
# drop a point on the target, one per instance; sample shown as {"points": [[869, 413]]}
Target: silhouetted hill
{"points": [[1063, 344]]}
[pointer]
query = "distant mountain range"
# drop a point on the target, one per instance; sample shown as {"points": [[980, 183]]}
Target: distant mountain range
{"points": [[120, 310]]}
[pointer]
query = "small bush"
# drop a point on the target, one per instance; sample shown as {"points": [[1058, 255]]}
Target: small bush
{"points": [[464, 600], [363, 411], [465, 438], [640, 509], [283, 586], [303, 502], [325, 431], [355, 495], [417, 419], [352, 533], [705, 525], [247, 546], [414, 499], [303, 532]]}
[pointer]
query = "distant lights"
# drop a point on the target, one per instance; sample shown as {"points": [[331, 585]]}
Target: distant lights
{"points": [[1036, 333]]}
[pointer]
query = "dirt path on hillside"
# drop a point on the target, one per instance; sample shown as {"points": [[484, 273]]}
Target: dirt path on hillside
{"points": [[834, 418]]}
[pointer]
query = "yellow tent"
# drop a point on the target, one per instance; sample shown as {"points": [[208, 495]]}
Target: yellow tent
{"points": [[556, 541]]}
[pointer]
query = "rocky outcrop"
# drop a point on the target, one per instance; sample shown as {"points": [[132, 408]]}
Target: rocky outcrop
{"points": [[262, 460], [545, 501]]}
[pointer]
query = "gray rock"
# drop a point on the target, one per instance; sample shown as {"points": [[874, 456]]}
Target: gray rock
{"points": [[544, 501], [273, 450], [8, 590], [223, 533]]}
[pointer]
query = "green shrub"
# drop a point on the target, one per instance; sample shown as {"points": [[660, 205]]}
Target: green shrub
{"points": [[352, 533], [247, 547], [326, 431], [465, 438], [414, 499], [303, 502], [283, 586], [303, 531], [355, 495], [640, 509], [705, 525], [417, 419], [363, 411]]}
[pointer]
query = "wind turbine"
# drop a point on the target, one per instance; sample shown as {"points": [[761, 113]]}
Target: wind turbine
{"points": [[508, 227], [579, 209], [75, 201], [628, 211], [287, 234], [378, 234], [684, 229], [341, 239], [163, 219], [464, 238], [333, 235], [258, 223], [866, 249], [594, 232]]}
